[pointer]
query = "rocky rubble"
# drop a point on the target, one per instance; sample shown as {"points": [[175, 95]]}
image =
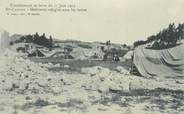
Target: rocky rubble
{"points": [[26, 85]]}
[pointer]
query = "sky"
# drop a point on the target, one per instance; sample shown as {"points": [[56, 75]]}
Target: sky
{"points": [[121, 21]]}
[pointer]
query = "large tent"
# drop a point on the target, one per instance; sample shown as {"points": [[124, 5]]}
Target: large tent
{"points": [[162, 63]]}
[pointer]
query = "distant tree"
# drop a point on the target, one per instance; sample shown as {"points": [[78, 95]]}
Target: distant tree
{"points": [[36, 39], [171, 39], [43, 36], [108, 43], [180, 31], [36, 35], [137, 43], [51, 42], [166, 38], [124, 45], [50, 38], [151, 38], [156, 45], [29, 39]]}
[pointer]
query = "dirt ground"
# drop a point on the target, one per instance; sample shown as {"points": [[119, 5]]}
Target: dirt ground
{"points": [[31, 88]]}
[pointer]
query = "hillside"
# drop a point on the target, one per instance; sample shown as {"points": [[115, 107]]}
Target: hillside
{"points": [[28, 87], [166, 38], [75, 77]]}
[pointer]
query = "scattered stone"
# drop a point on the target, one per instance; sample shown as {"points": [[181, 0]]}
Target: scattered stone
{"points": [[28, 98]]}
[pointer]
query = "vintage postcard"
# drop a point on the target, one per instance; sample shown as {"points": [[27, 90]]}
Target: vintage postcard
{"points": [[91, 57]]}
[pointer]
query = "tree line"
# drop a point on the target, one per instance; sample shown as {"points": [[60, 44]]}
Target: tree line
{"points": [[165, 38], [37, 39]]}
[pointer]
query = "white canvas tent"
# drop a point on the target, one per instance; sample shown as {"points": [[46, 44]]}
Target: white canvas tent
{"points": [[128, 55], [162, 63]]}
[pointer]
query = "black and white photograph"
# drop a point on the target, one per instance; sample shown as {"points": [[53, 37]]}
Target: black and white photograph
{"points": [[91, 56]]}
